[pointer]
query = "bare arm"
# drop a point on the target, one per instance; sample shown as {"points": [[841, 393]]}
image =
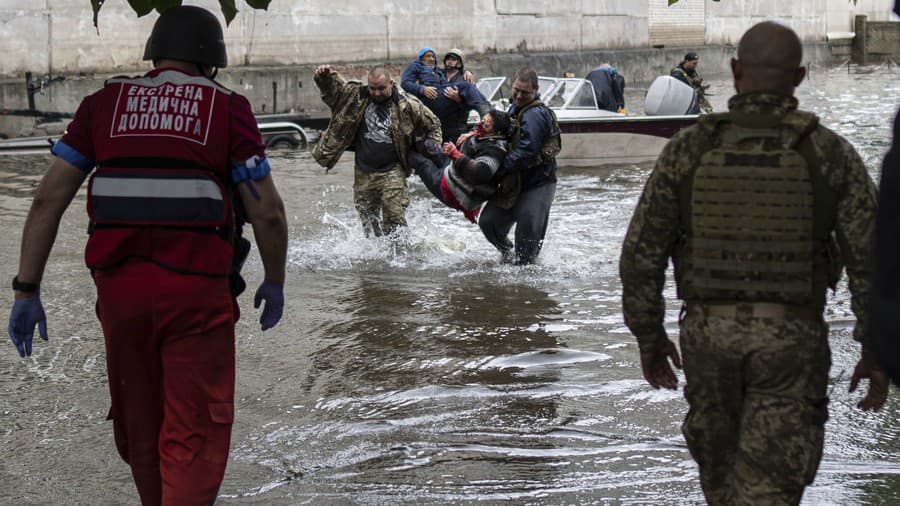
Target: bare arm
{"points": [[267, 217], [54, 194]]}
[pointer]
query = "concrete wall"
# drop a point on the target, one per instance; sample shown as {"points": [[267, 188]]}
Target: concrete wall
{"points": [[57, 36], [883, 39], [295, 92], [875, 41], [682, 24], [841, 13], [727, 20]]}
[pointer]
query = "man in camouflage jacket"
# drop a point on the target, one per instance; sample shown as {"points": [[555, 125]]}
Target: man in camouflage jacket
{"points": [[380, 123], [686, 72], [759, 208]]}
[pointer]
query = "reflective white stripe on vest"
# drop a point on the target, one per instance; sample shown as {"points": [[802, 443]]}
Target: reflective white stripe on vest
{"points": [[176, 188], [145, 198]]}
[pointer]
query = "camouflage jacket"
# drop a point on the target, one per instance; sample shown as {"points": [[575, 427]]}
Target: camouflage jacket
{"points": [[656, 226], [347, 101], [691, 78]]}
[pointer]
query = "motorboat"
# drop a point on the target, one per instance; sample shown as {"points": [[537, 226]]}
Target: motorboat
{"points": [[592, 136]]}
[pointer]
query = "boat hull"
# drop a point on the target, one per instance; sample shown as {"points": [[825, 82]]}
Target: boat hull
{"points": [[617, 140]]}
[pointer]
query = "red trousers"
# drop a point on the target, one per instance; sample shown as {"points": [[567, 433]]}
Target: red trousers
{"points": [[170, 361]]}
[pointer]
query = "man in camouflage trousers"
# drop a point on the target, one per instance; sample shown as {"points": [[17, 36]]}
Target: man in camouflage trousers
{"points": [[379, 122], [759, 208]]}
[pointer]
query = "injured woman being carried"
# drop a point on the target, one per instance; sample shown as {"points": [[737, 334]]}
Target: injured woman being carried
{"points": [[461, 175]]}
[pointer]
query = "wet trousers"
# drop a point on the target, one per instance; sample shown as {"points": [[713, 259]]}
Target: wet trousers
{"points": [[170, 361], [381, 199], [429, 172], [433, 177], [756, 388], [530, 215]]}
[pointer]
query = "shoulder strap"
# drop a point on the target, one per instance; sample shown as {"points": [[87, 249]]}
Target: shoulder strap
{"points": [[532, 104]]}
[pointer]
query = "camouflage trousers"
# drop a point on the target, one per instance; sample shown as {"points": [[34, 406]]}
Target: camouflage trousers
{"points": [[381, 198], [756, 388]]}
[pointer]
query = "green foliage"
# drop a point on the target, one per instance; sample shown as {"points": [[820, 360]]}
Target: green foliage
{"points": [[228, 9], [143, 7]]}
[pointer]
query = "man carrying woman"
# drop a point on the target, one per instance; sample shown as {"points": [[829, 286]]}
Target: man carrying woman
{"points": [[461, 175], [450, 101]]}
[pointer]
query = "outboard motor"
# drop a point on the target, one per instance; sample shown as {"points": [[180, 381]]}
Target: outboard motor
{"points": [[668, 96]]}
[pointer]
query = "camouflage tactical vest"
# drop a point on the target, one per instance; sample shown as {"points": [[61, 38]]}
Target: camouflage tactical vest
{"points": [[511, 185], [757, 212]]}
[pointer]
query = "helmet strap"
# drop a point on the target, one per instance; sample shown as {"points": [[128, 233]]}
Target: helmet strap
{"points": [[212, 75]]}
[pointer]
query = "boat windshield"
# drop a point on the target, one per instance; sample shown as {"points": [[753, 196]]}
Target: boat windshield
{"points": [[571, 94], [490, 87], [545, 87]]}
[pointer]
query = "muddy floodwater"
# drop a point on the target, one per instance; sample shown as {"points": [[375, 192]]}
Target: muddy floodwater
{"points": [[429, 372]]}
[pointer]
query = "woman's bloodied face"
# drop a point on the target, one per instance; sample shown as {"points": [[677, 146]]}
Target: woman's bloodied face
{"points": [[487, 124]]}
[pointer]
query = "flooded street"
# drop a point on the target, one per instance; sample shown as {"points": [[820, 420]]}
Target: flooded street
{"points": [[429, 373]]}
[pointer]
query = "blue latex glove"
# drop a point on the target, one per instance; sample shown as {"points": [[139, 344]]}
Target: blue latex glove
{"points": [[274, 296], [26, 312]]}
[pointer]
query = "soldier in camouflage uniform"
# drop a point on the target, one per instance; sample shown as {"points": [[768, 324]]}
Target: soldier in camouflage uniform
{"points": [[379, 122], [759, 208], [686, 72]]}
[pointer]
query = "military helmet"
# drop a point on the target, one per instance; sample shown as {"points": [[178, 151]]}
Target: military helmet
{"points": [[455, 52], [187, 33]]}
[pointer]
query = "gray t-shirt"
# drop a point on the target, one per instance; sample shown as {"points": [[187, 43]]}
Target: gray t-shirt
{"points": [[374, 144]]}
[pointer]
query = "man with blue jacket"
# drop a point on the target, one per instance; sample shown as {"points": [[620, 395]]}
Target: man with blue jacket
{"points": [[527, 178]]}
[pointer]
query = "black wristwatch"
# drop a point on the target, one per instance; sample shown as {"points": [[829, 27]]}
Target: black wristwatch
{"points": [[24, 287]]}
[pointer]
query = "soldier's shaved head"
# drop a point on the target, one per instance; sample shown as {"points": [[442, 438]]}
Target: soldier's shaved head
{"points": [[380, 84], [380, 73], [768, 59]]}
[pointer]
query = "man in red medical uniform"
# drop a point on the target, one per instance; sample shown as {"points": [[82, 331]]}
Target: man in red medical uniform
{"points": [[180, 165]]}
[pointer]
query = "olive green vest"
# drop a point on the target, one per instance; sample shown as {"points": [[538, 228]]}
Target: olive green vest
{"points": [[552, 144], [758, 215], [511, 185]]}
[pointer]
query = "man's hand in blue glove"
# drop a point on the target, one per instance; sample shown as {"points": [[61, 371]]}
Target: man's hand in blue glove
{"points": [[26, 313], [273, 294]]}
